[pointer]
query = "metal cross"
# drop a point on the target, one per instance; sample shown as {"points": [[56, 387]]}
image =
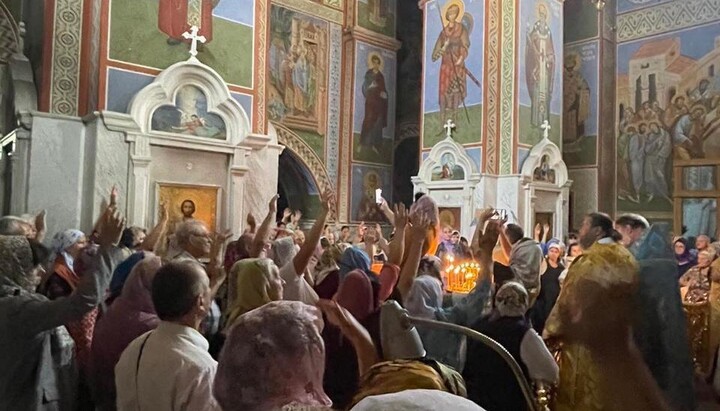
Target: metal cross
{"points": [[449, 127], [546, 129], [192, 35]]}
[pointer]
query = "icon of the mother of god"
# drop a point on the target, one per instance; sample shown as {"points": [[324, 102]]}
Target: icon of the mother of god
{"points": [[452, 47], [540, 66]]}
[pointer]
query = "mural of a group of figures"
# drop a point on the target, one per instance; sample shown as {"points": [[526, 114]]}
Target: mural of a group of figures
{"points": [[669, 113]]}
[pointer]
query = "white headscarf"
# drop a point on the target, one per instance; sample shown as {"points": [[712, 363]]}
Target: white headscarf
{"points": [[64, 240], [416, 400], [425, 297]]}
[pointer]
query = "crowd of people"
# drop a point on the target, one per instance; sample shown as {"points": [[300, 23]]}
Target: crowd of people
{"points": [[279, 319]]}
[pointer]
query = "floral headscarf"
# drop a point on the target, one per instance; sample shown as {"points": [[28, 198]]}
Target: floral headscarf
{"points": [[283, 251], [16, 261], [511, 300], [250, 283], [273, 356]]}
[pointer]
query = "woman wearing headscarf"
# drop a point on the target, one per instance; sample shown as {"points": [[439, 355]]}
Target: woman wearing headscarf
{"points": [[356, 295], [326, 276], [416, 400], [683, 255], [131, 315], [273, 360], [490, 381], [37, 353], [549, 286], [67, 246], [383, 283], [257, 283]]}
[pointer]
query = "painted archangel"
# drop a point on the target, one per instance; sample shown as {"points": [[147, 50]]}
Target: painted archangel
{"points": [[452, 47]]}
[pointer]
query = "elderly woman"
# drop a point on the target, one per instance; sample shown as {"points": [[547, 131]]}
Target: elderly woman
{"points": [[131, 315], [273, 360], [257, 283], [37, 354], [64, 280], [490, 382]]}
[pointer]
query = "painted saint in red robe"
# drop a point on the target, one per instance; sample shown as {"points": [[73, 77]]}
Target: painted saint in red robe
{"points": [[175, 17], [452, 47]]}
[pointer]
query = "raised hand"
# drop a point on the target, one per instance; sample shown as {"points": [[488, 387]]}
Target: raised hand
{"points": [[113, 196], [537, 231], [297, 215], [110, 228], [164, 211], [401, 217], [40, 221], [251, 222], [272, 207], [485, 214], [420, 223], [286, 212], [378, 232], [329, 201], [546, 229]]}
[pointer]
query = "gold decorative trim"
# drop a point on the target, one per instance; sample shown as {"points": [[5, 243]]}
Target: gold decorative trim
{"points": [[305, 154], [507, 100], [313, 9], [368, 36], [492, 65], [259, 99], [347, 124]]}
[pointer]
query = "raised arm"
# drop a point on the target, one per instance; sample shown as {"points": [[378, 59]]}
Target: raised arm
{"points": [[416, 239], [158, 232], [397, 245], [359, 337], [40, 226], [263, 232], [38, 315], [505, 243], [302, 258], [385, 208]]}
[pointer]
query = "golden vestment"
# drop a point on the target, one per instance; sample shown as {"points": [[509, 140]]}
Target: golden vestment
{"points": [[613, 268], [701, 301]]}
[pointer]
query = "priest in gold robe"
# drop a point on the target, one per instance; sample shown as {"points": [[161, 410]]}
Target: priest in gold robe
{"points": [[606, 274]]}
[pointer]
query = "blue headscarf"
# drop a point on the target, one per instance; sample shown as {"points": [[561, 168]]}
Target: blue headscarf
{"points": [[354, 259]]}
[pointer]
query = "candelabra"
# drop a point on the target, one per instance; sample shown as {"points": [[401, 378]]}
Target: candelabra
{"points": [[461, 276]]}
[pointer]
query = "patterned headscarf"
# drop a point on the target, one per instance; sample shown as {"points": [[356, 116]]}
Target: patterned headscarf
{"points": [[273, 356], [511, 300], [250, 283], [64, 240], [16, 260], [283, 251], [427, 206]]}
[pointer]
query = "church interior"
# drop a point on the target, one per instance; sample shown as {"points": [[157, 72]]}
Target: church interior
{"points": [[545, 111]]}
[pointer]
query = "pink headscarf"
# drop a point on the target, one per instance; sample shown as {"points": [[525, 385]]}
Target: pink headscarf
{"points": [[273, 356], [131, 315], [356, 295]]}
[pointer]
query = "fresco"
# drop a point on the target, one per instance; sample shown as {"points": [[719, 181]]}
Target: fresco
{"points": [[374, 112], [297, 70], [189, 116], [149, 33], [543, 172], [377, 16], [448, 169], [540, 69], [365, 180], [668, 108], [584, 21], [453, 63], [630, 5], [580, 104]]}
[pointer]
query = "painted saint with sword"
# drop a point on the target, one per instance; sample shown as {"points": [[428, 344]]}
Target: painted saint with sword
{"points": [[452, 49]]}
